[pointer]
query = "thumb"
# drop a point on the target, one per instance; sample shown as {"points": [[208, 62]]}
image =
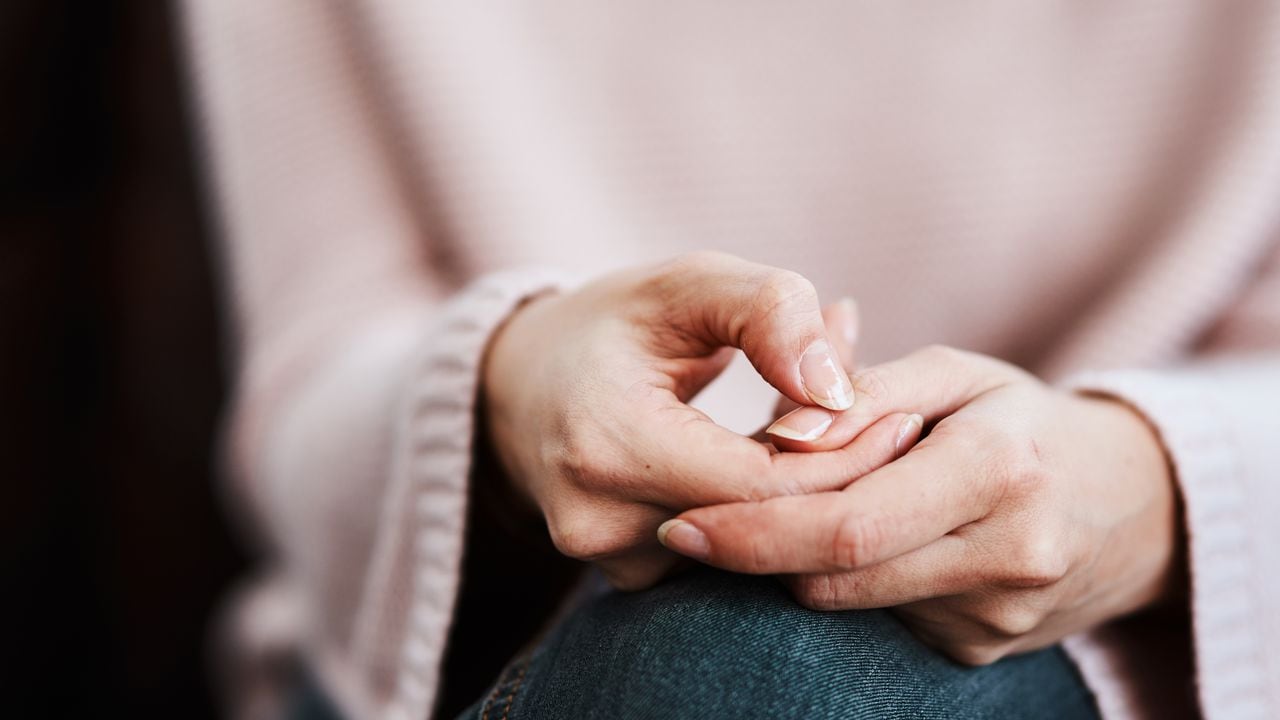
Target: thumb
{"points": [[772, 315], [843, 323]]}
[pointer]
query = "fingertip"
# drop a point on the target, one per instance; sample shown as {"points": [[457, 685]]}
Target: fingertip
{"points": [[804, 424], [824, 378], [875, 445], [685, 538], [909, 430]]}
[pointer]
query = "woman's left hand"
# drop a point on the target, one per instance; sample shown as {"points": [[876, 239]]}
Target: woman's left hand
{"points": [[1025, 515]]}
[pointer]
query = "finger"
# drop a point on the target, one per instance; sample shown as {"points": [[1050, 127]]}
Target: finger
{"points": [[617, 537], [943, 567], [772, 315], [843, 323], [907, 504], [640, 568], [597, 528], [698, 463], [690, 376], [841, 320], [805, 425], [933, 382], [886, 440], [955, 626]]}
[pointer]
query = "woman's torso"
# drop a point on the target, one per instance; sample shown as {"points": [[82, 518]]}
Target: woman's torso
{"points": [[1000, 176]]}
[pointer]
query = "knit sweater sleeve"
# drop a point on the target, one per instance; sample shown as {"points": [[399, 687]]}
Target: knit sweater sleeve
{"points": [[1217, 417], [357, 354]]}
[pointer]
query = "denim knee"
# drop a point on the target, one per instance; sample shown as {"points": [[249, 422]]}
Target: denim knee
{"points": [[708, 644]]}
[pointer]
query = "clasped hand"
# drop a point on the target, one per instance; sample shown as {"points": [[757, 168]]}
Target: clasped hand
{"points": [[1024, 513]]}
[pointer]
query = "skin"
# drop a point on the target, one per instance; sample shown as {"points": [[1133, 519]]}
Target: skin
{"points": [[1024, 515], [586, 398]]}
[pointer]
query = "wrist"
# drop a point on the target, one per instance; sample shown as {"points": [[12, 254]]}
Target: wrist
{"points": [[494, 491], [506, 368], [1154, 539]]}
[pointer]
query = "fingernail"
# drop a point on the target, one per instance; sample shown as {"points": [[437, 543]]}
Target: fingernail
{"points": [[849, 324], [684, 538], [804, 424], [826, 383], [908, 433]]}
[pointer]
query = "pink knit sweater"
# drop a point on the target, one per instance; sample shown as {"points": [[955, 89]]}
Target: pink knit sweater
{"points": [[1089, 190]]}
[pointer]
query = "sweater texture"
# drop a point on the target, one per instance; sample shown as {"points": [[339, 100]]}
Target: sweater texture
{"points": [[1091, 191]]}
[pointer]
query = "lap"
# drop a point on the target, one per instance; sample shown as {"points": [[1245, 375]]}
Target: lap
{"points": [[714, 645]]}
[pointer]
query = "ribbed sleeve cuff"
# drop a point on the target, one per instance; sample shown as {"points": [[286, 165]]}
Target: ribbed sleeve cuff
{"points": [[1197, 415], [414, 580]]}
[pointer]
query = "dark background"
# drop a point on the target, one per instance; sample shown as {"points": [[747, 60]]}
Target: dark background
{"points": [[114, 548]]}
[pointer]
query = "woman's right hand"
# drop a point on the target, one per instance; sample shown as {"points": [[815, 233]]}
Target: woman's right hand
{"points": [[586, 397]]}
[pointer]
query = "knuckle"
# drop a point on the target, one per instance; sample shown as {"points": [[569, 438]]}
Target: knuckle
{"points": [[754, 558], [816, 592], [753, 491], [944, 355], [1039, 562], [579, 538], [583, 462], [673, 276], [763, 480], [869, 384], [856, 542], [1019, 462], [972, 654], [780, 290], [1010, 620], [968, 361], [686, 265], [697, 259]]}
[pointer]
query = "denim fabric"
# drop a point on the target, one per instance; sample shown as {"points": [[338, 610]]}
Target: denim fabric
{"points": [[714, 645]]}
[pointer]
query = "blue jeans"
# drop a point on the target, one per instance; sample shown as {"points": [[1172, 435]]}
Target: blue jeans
{"points": [[708, 644]]}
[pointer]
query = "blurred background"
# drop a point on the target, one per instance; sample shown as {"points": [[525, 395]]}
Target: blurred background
{"points": [[115, 551]]}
